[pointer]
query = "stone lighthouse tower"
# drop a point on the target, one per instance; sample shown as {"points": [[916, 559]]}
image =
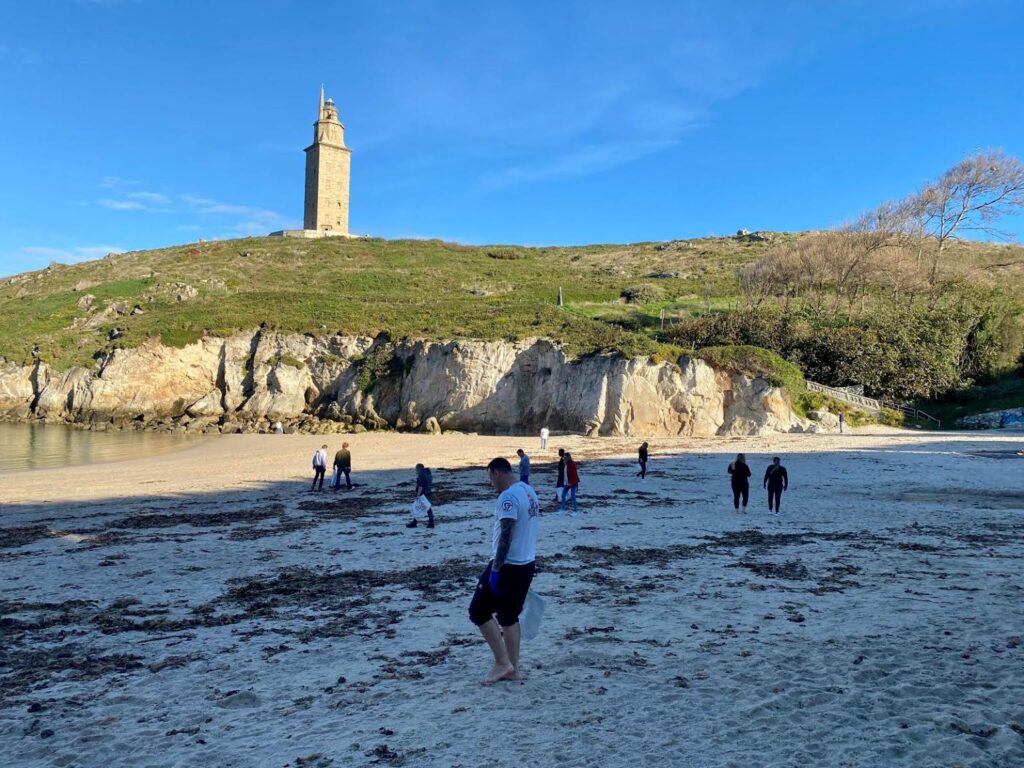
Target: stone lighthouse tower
{"points": [[327, 174]]}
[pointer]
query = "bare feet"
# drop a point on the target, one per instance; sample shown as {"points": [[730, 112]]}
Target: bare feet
{"points": [[499, 672], [517, 676]]}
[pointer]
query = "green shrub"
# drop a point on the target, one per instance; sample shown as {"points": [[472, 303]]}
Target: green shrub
{"points": [[379, 363], [899, 352], [291, 362], [331, 359], [809, 401], [755, 361], [644, 293], [891, 418], [506, 254], [180, 337]]}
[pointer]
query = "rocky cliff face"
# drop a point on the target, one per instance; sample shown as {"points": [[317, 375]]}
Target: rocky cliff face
{"points": [[248, 381]]}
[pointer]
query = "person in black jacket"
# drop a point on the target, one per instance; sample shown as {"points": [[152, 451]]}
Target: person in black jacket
{"points": [[740, 473], [642, 462], [776, 480]]}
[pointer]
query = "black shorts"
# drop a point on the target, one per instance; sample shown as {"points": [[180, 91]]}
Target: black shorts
{"points": [[513, 584]]}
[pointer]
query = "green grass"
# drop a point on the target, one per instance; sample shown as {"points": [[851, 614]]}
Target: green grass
{"points": [[757, 361], [408, 288], [291, 362], [807, 401]]}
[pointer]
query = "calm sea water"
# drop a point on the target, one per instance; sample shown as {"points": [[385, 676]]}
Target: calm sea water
{"points": [[42, 446]]}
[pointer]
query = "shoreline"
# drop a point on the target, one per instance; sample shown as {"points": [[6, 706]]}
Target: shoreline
{"points": [[246, 461]]}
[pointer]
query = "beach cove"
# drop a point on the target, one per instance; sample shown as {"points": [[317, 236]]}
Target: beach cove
{"points": [[203, 607]]}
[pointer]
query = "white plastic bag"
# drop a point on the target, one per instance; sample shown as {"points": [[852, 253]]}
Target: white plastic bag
{"points": [[420, 507], [533, 612]]}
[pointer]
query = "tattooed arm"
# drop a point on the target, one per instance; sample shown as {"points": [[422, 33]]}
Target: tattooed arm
{"points": [[508, 525]]}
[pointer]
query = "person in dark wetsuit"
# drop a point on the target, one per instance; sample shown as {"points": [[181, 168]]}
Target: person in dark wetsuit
{"points": [[776, 480], [740, 473], [643, 462]]}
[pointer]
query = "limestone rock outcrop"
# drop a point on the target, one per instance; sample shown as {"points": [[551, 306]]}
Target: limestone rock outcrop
{"points": [[154, 380], [18, 387], [824, 420], [67, 396], [360, 382]]}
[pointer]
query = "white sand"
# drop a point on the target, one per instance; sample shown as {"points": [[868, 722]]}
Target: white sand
{"points": [[879, 621]]}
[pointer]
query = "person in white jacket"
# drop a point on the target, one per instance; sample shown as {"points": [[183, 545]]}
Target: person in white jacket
{"points": [[319, 467]]}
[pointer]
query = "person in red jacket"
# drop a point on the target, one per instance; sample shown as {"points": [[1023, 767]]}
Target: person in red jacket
{"points": [[572, 482]]}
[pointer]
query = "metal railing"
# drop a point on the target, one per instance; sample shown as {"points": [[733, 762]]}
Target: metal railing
{"points": [[871, 403], [914, 413], [847, 397]]}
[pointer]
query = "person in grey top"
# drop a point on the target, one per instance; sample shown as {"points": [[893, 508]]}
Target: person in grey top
{"points": [[524, 466]]}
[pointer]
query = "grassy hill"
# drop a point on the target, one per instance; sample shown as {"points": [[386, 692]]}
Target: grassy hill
{"points": [[408, 288], [414, 288]]}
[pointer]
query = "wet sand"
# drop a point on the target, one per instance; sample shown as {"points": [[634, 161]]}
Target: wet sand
{"points": [[204, 608]]}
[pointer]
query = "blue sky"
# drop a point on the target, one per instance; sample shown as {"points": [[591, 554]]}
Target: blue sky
{"points": [[128, 124]]}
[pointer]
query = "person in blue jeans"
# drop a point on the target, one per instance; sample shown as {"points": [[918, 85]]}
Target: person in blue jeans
{"points": [[319, 467], [524, 466], [343, 467]]}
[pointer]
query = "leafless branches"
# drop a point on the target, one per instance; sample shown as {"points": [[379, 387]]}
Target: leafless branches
{"points": [[896, 249]]}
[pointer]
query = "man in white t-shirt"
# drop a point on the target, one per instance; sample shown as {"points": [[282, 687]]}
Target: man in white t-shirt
{"points": [[544, 434], [501, 590]]}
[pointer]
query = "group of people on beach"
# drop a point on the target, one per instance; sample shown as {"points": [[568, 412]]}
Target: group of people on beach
{"points": [[502, 588], [342, 468], [776, 480], [424, 502]]}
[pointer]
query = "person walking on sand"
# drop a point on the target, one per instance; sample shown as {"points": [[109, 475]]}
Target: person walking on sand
{"points": [[343, 466], [842, 422], [740, 474], [776, 480], [524, 466], [560, 482], [572, 483], [642, 463], [424, 487], [319, 467], [502, 587], [544, 435]]}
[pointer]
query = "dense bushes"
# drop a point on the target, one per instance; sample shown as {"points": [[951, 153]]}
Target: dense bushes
{"points": [[902, 352], [755, 361], [644, 293]]}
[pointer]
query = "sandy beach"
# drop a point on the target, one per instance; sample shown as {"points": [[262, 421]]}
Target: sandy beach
{"points": [[203, 608]]}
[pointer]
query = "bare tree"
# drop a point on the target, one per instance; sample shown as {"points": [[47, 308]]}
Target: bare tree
{"points": [[897, 247], [970, 197]]}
